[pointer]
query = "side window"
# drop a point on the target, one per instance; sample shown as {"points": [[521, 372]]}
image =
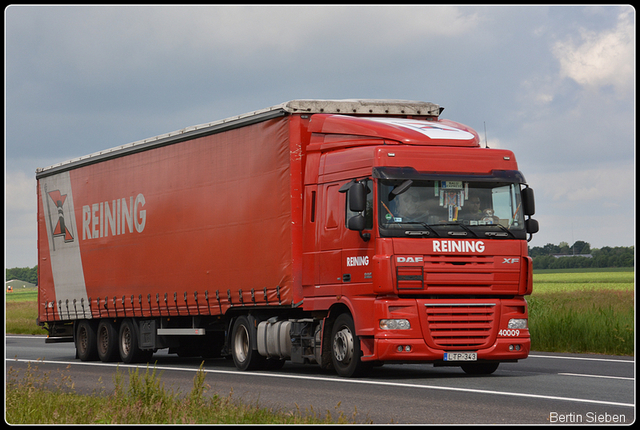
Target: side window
{"points": [[368, 213], [331, 207]]}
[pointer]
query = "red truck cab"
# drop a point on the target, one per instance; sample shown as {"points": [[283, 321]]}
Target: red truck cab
{"points": [[421, 234]]}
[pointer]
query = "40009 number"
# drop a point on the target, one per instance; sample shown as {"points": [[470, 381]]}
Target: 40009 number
{"points": [[509, 333]]}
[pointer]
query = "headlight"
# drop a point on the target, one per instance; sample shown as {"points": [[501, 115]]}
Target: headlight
{"points": [[519, 323], [395, 324]]}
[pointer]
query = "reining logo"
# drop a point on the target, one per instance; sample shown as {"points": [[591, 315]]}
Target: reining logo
{"points": [[61, 229]]}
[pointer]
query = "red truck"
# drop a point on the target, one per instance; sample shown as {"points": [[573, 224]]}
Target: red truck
{"points": [[346, 233]]}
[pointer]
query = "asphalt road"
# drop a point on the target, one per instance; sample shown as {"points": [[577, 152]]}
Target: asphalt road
{"points": [[545, 388]]}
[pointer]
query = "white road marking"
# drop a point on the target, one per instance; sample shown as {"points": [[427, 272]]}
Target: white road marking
{"points": [[597, 376], [609, 360]]}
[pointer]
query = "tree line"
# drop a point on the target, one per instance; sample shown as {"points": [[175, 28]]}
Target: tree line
{"points": [[550, 256], [26, 274], [580, 255]]}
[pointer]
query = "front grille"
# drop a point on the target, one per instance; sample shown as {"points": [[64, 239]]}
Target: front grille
{"points": [[460, 326]]}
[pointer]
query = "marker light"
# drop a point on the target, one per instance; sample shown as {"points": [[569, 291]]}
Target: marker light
{"points": [[519, 323], [395, 324]]}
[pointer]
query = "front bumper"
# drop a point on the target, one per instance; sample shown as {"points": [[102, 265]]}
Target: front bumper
{"points": [[396, 350], [449, 325]]}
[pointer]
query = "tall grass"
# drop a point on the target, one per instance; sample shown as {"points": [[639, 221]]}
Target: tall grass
{"points": [[37, 398], [583, 321], [593, 312]]}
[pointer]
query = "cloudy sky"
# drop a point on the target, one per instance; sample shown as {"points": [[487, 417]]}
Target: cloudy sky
{"points": [[554, 84]]}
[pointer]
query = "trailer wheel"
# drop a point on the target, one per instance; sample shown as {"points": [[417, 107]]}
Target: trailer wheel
{"points": [[107, 341], [128, 344], [86, 345], [244, 357], [480, 368], [345, 348]]}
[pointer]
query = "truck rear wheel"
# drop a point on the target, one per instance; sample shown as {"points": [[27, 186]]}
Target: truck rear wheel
{"points": [[244, 357], [128, 344], [107, 341], [345, 348], [86, 345]]}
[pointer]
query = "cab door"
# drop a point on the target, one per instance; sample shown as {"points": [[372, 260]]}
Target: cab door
{"points": [[357, 246], [341, 256], [323, 229]]}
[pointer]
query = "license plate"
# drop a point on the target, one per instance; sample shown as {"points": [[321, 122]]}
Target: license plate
{"points": [[460, 356]]}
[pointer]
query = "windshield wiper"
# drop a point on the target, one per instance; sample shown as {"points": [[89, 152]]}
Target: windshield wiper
{"points": [[462, 226], [416, 233], [493, 233]]}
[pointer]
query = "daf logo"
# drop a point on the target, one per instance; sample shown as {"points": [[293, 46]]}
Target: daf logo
{"points": [[510, 260], [416, 259]]}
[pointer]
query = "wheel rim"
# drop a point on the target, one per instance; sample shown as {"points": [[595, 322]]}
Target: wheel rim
{"points": [[126, 340], [241, 344], [103, 340], [343, 346], [83, 341]]}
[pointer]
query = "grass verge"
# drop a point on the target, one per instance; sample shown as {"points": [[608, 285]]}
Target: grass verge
{"points": [[36, 397]]}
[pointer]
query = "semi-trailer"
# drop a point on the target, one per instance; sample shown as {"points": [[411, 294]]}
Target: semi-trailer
{"points": [[345, 233]]}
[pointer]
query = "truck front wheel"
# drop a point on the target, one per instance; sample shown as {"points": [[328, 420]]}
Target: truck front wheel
{"points": [[345, 348], [244, 357]]}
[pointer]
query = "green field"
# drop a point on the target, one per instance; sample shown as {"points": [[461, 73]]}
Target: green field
{"points": [[557, 281], [22, 295]]}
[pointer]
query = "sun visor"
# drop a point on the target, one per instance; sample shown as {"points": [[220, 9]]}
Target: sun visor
{"points": [[404, 173]]}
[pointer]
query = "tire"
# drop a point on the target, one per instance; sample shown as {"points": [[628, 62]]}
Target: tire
{"points": [[244, 357], [480, 368], [128, 344], [86, 344], [107, 341], [345, 348]]}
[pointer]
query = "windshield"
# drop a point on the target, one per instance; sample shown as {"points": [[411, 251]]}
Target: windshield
{"points": [[438, 207]]}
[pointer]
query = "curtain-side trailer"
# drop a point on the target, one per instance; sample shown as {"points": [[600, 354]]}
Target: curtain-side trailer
{"points": [[345, 233]]}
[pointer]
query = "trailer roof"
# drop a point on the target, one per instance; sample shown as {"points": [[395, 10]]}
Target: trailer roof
{"points": [[346, 107], [363, 106]]}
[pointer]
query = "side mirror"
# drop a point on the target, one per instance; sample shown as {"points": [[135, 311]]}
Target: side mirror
{"points": [[528, 202], [357, 197], [356, 223], [531, 225]]}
